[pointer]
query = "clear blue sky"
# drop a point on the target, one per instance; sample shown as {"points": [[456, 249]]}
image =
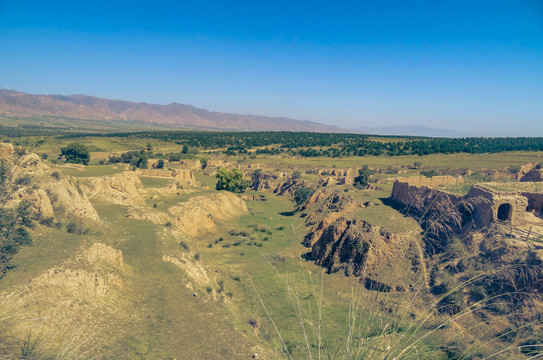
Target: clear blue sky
{"points": [[467, 65]]}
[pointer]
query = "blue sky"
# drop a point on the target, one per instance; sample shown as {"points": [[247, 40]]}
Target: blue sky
{"points": [[474, 66]]}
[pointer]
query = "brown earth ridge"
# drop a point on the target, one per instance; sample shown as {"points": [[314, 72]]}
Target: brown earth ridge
{"points": [[82, 107]]}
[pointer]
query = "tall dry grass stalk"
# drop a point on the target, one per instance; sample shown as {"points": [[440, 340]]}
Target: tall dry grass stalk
{"points": [[418, 325]]}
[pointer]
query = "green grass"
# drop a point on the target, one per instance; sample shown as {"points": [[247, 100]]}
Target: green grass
{"points": [[170, 322], [92, 170], [155, 182], [434, 161], [265, 285]]}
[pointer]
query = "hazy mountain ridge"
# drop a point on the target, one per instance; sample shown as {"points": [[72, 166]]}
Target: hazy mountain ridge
{"points": [[84, 107]]}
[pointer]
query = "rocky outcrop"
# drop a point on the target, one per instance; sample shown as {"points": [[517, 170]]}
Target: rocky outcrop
{"points": [[30, 164], [123, 188], [325, 181], [102, 253], [79, 167], [78, 297], [195, 271], [200, 214], [329, 207], [181, 176], [216, 163], [268, 180], [359, 249], [289, 187], [6, 149], [191, 164], [184, 176], [150, 214], [67, 195], [40, 203], [534, 174], [434, 181]]}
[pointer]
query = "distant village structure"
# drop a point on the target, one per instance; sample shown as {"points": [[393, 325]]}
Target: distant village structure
{"points": [[516, 204]]}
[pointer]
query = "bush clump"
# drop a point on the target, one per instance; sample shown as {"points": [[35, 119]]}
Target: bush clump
{"points": [[231, 180], [76, 153], [301, 195]]}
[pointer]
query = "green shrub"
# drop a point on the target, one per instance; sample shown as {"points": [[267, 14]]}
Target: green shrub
{"points": [[23, 180], [231, 180], [301, 195], [363, 178], [429, 173], [47, 221], [76, 153]]}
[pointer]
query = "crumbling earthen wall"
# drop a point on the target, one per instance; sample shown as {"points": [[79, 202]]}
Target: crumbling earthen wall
{"points": [[183, 175], [433, 181], [192, 164], [535, 174], [160, 173], [487, 212], [409, 194], [508, 206]]}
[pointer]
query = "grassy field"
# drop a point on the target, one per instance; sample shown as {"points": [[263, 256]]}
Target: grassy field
{"points": [[266, 295], [434, 161]]}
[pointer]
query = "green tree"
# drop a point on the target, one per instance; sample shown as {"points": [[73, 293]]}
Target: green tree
{"points": [[361, 181], [76, 153], [231, 180], [203, 162], [301, 195], [160, 164]]}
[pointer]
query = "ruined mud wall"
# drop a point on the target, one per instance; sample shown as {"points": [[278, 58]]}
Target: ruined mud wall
{"points": [[535, 174], [160, 173], [433, 181], [191, 164], [535, 202], [411, 193], [487, 212]]}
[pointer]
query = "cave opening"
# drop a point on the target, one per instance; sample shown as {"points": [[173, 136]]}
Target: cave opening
{"points": [[504, 212]]}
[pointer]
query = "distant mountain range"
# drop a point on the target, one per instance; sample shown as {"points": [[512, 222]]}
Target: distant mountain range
{"points": [[414, 130], [17, 104]]}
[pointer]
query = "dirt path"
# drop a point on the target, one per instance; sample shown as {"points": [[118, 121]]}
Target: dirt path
{"points": [[171, 322]]}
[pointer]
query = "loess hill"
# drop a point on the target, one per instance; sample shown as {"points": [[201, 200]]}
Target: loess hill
{"points": [[355, 257]]}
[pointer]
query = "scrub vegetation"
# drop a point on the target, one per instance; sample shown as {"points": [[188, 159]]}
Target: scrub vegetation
{"points": [[259, 245]]}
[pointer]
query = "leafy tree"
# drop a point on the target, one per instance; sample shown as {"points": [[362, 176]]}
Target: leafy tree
{"points": [[203, 162], [76, 153], [185, 149], [134, 158], [231, 180], [363, 178], [160, 164], [301, 195]]}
